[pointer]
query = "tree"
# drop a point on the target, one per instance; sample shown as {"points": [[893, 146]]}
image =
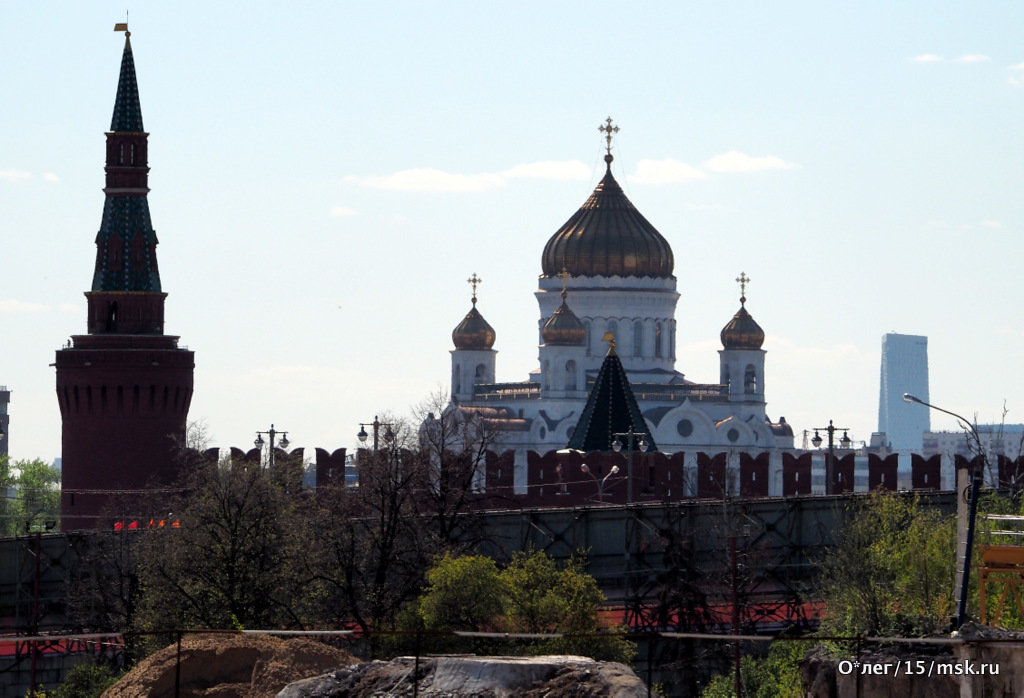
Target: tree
{"points": [[531, 595], [775, 676], [233, 560], [892, 569], [30, 492], [463, 593], [372, 548], [454, 443]]}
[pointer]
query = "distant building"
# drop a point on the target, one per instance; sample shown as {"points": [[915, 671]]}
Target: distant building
{"points": [[901, 425], [996, 439], [5, 420]]}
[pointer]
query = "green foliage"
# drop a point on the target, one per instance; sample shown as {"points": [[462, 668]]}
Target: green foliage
{"points": [[892, 570], [531, 595], [233, 561], [86, 681], [463, 593], [775, 676], [29, 495]]}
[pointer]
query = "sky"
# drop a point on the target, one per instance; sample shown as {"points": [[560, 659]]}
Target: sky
{"points": [[325, 177]]}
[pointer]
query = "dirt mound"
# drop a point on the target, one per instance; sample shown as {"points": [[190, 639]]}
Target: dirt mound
{"points": [[228, 666], [481, 677]]}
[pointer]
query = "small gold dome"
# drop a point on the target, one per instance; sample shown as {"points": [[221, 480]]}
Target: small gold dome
{"points": [[473, 332], [563, 328], [742, 332]]}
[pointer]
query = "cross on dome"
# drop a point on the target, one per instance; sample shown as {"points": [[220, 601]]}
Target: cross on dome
{"points": [[564, 275], [474, 281], [608, 129], [743, 280]]}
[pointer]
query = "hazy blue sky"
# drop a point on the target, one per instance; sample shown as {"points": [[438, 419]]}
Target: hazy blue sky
{"points": [[325, 176]]}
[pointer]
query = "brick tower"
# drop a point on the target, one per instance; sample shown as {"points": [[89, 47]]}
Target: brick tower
{"points": [[124, 388]]}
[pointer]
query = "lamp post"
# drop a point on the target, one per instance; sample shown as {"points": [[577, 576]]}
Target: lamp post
{"points": [[632, 438], [830, 459], [600, 483], [376, 424], [977, 475], [272, 435]]}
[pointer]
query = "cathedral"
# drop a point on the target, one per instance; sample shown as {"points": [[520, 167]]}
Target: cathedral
{"points": [[607, 289]]}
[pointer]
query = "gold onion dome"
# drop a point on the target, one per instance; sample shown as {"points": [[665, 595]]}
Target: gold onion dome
{"points": [[742, 332], [473, 332], [563, 328], [608, 236]]}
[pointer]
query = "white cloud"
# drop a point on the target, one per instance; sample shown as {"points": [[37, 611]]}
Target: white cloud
{"points": [[430, 179], [735, 161], [13, 306], [972, 58], [15, 175], [342, 211], [667, 171], [1017, 74], [50, 177], [549, 169], [987, 223], [927, 58]]}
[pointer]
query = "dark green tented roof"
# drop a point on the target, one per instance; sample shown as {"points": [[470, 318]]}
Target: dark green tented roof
{"points": [[126, 247], [611, 409], [127, 111]]}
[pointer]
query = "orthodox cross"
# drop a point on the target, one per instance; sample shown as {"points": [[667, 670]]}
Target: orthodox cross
{"points": [[564, 275], [743, 280], [474, 281], [608, 129]]}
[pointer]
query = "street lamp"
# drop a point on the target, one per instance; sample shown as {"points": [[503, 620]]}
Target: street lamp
{"points": [[376, 424], [600, 483], [633, 439], [272, 435], [830, 461], [976, 479]]}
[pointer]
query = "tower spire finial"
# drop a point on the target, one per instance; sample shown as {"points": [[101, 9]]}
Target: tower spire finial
{"points": [[743, 280], [123, 26], [608, 129], [473, 281]]}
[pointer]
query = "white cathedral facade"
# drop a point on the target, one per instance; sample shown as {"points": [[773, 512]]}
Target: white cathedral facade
{"points": [[607, 272]]}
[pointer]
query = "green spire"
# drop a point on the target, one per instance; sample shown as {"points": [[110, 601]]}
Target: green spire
{"points": [[127, 111]]}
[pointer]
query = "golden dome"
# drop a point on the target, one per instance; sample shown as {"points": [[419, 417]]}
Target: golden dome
{"points": [[608, 236], [473, 332], [563, 328], [742, 332]]}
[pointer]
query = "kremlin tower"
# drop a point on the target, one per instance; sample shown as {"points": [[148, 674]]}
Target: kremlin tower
{"points": [[124, 388]]}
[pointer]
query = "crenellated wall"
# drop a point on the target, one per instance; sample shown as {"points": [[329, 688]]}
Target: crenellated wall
{"points": [[560, 479]]}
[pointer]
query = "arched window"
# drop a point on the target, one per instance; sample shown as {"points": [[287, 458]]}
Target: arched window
{"points": [[657, 339], [725, 375], [457, 388], [546, 373], [586, 324], [638, 337], [480, 374], [750, 380], [570, 375], [133, 153], [120, 153], [672, 340]]}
